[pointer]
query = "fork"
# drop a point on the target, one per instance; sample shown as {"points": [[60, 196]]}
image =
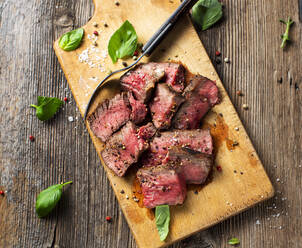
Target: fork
{"points": [[148, 48]]}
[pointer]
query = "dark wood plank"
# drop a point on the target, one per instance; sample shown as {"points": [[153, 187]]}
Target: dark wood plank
{"points": [[249, 35]]}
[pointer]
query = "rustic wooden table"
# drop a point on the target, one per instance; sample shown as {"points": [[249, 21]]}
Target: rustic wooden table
{"points": [[269, 77]]}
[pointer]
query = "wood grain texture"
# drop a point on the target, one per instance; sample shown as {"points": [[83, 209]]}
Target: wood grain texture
{"points": [[249, 36]]}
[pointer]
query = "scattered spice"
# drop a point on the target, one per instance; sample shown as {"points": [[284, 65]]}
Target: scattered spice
{"points": [[241, 172], [105, 25], [117, 3], [279, 80], [235, 143], [296, 86], [217, 61], [127, 197], [96, 33], [233, 241], [217, 53], [135, 53], [65, 99], [124, 64], [94, 43], [218, 167], [245, 106], [239, 93], [235, 171], [236, 128], [31, 138], [134, 57], [95, 24], [226, 60], [108, 218], [1, 192]]}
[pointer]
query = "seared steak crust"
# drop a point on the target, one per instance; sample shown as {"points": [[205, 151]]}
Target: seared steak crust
{"points": [[201, 95], [164, 105], [123, 149], [194, 166], [198, 140], [141, 80], [110, 116]]}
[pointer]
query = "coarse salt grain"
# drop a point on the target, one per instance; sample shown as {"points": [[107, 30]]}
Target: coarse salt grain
{"points": [[257, 222], [70, 118]]}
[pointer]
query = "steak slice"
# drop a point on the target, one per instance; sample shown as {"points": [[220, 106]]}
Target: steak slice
{"points": [[197, 140], [110, 116], [138, 110], [174, 75], [147, 132], [164, 105], [141, 80], [123, 149], [201, 95], [194, 166], [161, 185]]}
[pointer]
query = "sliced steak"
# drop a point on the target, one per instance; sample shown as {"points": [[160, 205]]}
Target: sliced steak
{"points": [[141, 80], [174, 75], [164, 105], [147, 132], [194, 166], [161, 185], [110, 116], [198, 140], [138, 110], [123, 149], [201, 95]]}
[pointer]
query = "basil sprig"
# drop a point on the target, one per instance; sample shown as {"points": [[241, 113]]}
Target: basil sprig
{"points": [[123, 42], [162, 219], [47, 107], [205, 13], [71, 40], [48, 199], [233, 241]]}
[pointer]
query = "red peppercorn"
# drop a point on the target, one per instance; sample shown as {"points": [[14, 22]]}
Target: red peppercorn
{"points": [[218, 167], [65, 99], [217, 53], [96, 33], [1, 192], [135, 53], [108, 218], [31, 138]]}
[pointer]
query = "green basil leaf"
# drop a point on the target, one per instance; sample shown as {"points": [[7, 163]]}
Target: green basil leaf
{"points": [[162, 219], [233, 241], [47, 107], [123, 42], [205, 13], [71, 40], [48, 199]]}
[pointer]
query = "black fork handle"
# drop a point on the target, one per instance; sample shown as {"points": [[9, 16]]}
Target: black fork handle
{"points": [[160, 34]]}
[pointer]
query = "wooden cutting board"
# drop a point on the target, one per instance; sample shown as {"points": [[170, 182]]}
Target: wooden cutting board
{"points": [[240, 184]]}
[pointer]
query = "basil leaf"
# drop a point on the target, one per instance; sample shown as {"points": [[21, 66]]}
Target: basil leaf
{"points": [[205, 13], [123, 42], [47, 107], [71, 40], [233, 241], [162, 219], [48, 199]]}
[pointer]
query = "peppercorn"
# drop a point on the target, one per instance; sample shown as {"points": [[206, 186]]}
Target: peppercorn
{"points": [[31, 138], [218, 61], [95, 24], [105, 25], [65, 99], [108, 218], [125, 64], [239, 93], [245, 106], [96, 33], [217, 53], [117, 3], [1, 192], [218, 167]]}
